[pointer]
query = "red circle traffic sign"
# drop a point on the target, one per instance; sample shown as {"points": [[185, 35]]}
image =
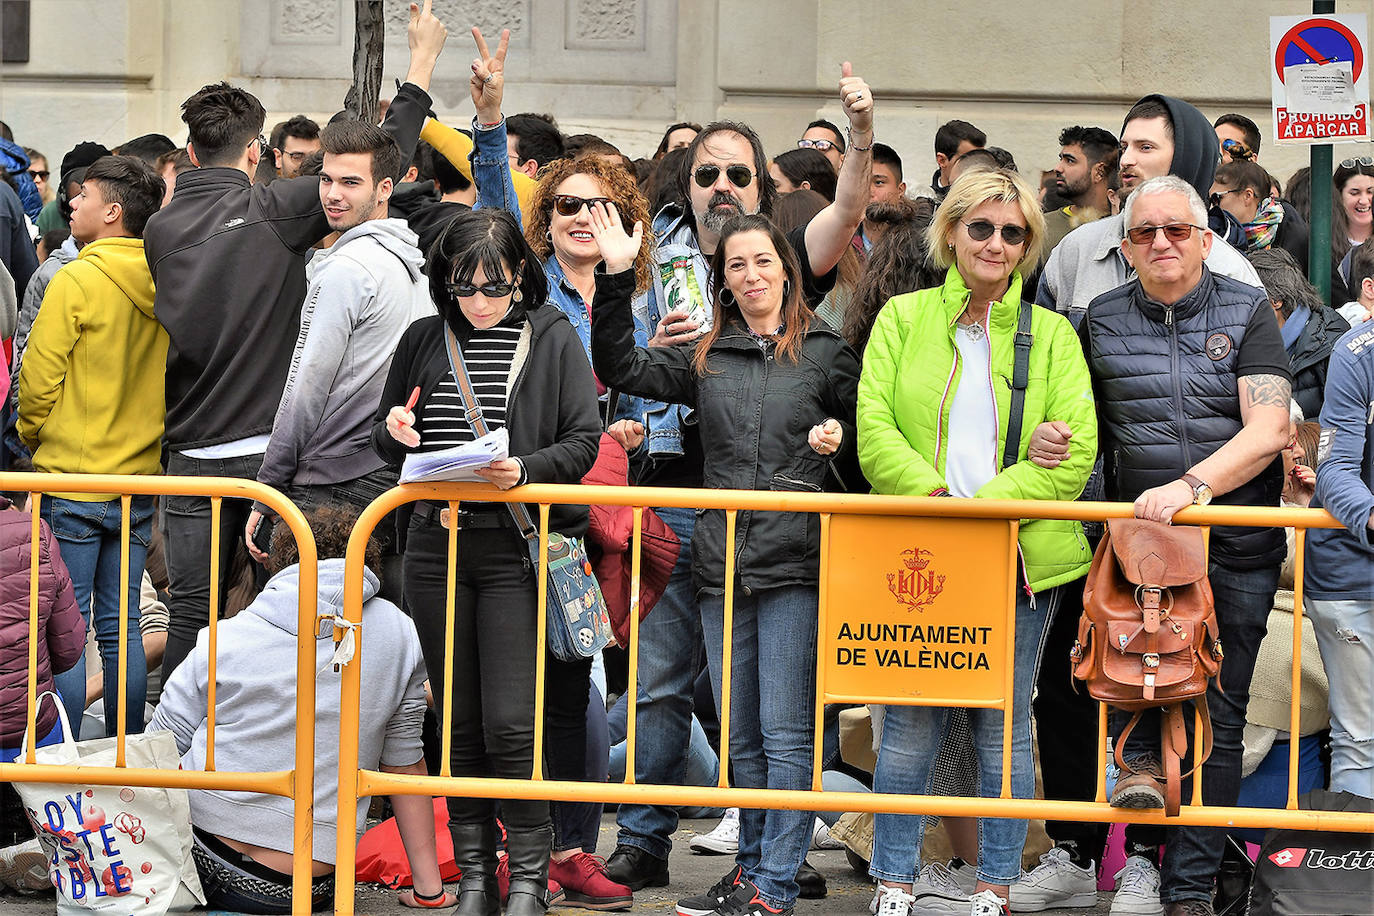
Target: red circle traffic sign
{"points": [[1295, 36]]}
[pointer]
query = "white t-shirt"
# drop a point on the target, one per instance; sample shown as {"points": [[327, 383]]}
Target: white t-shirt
{"points": [[971, 447]]}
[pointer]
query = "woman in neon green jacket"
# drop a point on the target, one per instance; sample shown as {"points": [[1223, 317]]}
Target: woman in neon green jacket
{"points": [[935, 403]]}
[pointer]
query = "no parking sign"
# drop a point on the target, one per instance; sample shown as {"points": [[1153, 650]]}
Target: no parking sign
{"points": [[1320, 78]]}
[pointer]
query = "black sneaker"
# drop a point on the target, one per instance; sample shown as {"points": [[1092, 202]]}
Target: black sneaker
{"points": [[636, 868], [707, 903], [744, 901]]}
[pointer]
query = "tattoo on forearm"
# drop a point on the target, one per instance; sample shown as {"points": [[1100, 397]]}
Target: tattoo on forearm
{"points": [[1266, 391]]}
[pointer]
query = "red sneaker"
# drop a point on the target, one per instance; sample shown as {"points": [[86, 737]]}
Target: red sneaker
{"points": [[586, 885]]}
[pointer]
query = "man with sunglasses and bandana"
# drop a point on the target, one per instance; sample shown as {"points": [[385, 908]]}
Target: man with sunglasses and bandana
{"points": [[228, 259], [727, 175], [1168, 445]]}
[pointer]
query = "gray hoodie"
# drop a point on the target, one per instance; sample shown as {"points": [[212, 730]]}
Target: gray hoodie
{"points": [[33, 298], [363, 293], [255, 707]]}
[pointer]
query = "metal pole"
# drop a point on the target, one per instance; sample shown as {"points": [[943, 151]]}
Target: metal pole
{"points": [[1319, 238]]}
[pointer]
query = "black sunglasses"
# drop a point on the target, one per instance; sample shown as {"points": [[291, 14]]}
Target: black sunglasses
{"points": [[38, 175], [980, 230], [1174, 232], [490, 290], [571, 205], [1215, 199], [739, 175]]}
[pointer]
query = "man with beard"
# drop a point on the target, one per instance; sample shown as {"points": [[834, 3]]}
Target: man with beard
{"points": [[1087, 164], [726, 175]]}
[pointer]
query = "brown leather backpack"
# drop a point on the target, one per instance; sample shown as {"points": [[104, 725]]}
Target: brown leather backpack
{"points": [[1148, 636]]}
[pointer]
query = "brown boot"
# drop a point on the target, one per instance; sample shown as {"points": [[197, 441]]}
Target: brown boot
{"points": [[1141, 786]]}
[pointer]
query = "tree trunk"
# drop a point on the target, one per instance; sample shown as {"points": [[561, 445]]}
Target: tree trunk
{"points": [[368, 47]]}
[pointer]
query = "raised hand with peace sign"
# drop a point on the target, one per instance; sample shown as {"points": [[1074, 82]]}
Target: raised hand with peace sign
{"points": [[488, 82]]}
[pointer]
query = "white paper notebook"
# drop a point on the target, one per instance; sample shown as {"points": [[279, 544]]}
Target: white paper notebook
{"points": [[458, 462]]}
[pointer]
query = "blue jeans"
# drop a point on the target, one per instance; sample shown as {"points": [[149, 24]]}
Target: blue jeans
{"points": [[88, 536], [1244, 598], [669, 657], [772, 722], [1345, 634], [703, 766], [911, 742], [1267, 786]]}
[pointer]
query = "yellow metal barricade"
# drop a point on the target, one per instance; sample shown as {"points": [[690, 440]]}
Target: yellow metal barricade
{"points": [[296, 783], [888, 560]]}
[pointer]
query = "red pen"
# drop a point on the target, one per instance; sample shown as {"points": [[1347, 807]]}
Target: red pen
{"points": [[413, 399]]}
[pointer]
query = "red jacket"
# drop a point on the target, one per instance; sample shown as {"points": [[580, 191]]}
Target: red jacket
{"points": [[61, 628]]}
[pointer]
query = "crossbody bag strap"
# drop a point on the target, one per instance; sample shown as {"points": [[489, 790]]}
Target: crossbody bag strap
{"points": [[478, 421], [612, 402], [1020, 378]]}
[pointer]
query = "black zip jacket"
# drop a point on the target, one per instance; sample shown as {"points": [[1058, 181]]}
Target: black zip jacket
{"points": [[754, 411], [228, 258], [551, 412], [1324, 327]]}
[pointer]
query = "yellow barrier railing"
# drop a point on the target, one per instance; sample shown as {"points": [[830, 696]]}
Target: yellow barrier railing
{"points": [[296, 783], [1005, 516]]}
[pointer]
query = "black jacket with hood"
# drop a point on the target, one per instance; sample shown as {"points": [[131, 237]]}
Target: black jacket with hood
{"points": [[1311, 354], [551, 410], [228, 259]]}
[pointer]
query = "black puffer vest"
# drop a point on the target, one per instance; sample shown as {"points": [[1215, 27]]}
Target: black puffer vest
{"points": [[1166, 380]]}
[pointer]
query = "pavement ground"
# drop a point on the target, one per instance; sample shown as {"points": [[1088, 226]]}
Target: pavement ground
{"points": [[849, 893]]}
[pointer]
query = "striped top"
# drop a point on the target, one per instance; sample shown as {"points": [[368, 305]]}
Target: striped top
{"points": [[488, 355]]}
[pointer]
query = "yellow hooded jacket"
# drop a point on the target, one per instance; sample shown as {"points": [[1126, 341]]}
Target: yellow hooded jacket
{"points": [[91, 388]]}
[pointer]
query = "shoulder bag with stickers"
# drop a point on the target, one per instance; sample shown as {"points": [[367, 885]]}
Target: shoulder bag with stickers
{"points": [[578, 624], [1148, 636]]}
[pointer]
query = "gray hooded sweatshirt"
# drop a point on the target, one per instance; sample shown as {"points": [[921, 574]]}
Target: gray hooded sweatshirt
{"points": [[363, 293], [255, 707]]}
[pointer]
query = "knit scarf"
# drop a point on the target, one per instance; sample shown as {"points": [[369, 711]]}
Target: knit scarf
{"points": [[1261, 231]]}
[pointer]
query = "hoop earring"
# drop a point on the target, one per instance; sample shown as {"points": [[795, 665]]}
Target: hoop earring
{"points": [[786, 290], [725, 296], [548, 236]]}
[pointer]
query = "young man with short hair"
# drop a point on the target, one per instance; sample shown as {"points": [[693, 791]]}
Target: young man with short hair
{"points": [[826, 139], [292, 141], [886, 191], [1084, 172], [364, 291], [952, 140], [1239, 129], [229, 261], [1361, 308], [532, 142], [91, 402]]}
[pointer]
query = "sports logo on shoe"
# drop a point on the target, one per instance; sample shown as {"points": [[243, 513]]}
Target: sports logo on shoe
{"points": [[1289, 858], [913, 584]]}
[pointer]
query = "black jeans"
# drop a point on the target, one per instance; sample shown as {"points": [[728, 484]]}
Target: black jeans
{"points": [[1244, 599], [186, 542], [492, 695]]}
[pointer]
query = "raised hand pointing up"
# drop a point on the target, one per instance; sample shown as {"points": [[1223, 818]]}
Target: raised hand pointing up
{"points": [[488, 83]]}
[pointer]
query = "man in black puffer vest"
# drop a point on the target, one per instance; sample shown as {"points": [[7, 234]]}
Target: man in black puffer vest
{"points": [[1193, 390]]}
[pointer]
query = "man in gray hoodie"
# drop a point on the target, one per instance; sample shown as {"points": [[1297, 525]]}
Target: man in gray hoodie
{"points": [[363, 293]]}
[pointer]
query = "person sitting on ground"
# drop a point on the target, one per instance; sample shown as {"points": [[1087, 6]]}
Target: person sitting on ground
{"points": [[244, 841]]}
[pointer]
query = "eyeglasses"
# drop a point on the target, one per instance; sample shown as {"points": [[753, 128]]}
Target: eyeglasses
{"points": [[1235, 149], [571, 205], [38, 175], [822, 145], [490, 290], [980, 230], [740, 175], [297, 156], [1365, 161], [262, 145], [1174, 232]]}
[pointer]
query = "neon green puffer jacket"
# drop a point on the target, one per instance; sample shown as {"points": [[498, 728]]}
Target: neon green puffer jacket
{"points": [[910, 374]]}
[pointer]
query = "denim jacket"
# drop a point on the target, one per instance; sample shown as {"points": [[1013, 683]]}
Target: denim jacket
{"points": [[491, 174]]}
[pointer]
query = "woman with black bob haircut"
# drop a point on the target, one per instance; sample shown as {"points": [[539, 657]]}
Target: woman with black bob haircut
{"points": [[774, 390], [530, 375]]}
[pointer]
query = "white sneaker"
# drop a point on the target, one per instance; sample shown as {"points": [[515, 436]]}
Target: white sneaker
{"points": [[986, 903], [723, 840], [938, 892], [24, 868], [1055, 882], [891, 901], [1137, 889], [820, 837]]}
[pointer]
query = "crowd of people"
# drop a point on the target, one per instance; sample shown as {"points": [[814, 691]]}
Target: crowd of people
{"points": [[308, 310]]}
